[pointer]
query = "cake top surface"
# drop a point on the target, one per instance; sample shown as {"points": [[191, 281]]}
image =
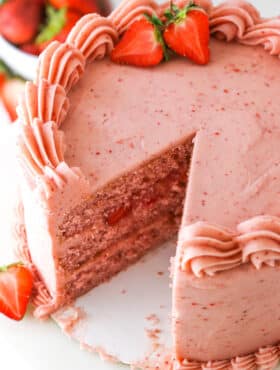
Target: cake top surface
{"points": [[120, 116]]}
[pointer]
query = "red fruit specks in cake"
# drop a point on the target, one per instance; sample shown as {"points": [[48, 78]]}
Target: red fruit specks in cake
{"points": [[118, 214]]}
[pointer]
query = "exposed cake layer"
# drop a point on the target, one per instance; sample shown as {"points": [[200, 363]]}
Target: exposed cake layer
{"points": [[118, 256], [124, 206], [135, 212]]}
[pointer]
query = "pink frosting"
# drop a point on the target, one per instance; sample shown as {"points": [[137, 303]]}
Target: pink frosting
{"points": [[231, 19], [260, 240], [244, 362], [266, 33], [46, 102], [265, 358], [94, 36], [129, 11], [241, 21], [60, 64], [208, 249], [42, 144]]}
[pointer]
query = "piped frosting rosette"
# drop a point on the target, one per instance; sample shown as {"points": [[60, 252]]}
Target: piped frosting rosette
{"points": [[239, 20], [244, 363], [265, 33], [208, 249], [231, 20], [216, 365], [129, 11], [265, 358], [260, 241], [60, 64], [94, 36], [43, 101]]}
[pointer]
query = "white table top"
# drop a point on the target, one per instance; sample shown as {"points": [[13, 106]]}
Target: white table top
{"points": [[34, 345]]}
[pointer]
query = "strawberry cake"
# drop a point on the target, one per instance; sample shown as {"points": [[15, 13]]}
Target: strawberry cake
{"points": [[115, 159]]}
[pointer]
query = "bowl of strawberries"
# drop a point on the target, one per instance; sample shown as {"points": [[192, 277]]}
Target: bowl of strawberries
{"points": [[28, 26]]}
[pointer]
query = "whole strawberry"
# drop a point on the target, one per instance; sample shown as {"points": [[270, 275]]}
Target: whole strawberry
{"points": [[142, 44], [187, 32], [20, 20], [16, 283]]}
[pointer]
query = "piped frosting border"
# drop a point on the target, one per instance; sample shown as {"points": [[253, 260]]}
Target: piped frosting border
{"points": [[265, 358], [208, 249]]}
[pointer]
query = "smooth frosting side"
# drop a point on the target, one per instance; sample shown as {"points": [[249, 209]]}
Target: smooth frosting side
{"points": [[208, 249], [265, 358]]}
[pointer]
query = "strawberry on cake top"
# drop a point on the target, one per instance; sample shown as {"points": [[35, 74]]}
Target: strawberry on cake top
{"points": [[107, 152]]}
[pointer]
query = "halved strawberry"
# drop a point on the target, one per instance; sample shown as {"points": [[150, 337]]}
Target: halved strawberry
{"points": [[187, 32], [16, 283], [142, 44]]}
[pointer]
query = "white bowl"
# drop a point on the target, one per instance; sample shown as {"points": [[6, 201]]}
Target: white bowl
{"points": [[20, 62]]}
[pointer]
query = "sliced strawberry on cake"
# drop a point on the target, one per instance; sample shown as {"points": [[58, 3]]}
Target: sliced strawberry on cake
{"points": [[142, 45], [187, 32]]}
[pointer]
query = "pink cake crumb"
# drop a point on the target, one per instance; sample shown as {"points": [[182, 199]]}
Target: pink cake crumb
{"points": [[153, 318], [70, 317]]}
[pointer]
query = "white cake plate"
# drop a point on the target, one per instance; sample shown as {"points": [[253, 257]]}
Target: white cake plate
{"points": [[127, 319]]}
